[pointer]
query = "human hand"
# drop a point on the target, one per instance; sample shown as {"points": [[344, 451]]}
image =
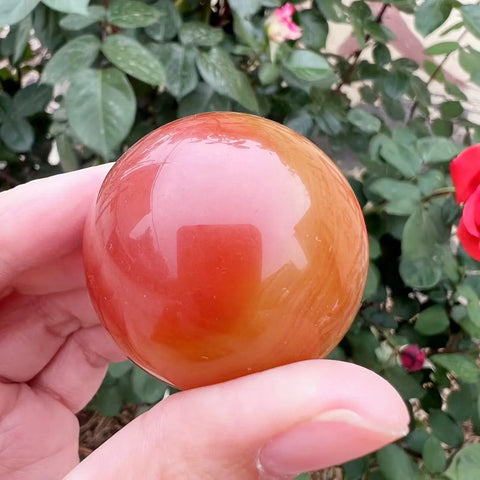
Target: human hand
{"points": [[54, 354]]}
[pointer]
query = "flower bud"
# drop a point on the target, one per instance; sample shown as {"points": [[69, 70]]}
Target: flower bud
{"points": [[412, 358], [280, 26]]}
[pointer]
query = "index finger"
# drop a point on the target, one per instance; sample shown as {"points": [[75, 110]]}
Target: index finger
{"points": [[44, 219]]}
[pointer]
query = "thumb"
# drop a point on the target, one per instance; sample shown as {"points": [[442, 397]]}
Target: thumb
{"points": [[274, 424]]}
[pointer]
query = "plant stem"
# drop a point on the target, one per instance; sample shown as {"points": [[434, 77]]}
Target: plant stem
{"points": [[439, 193], [434, 74], [358, 52]]}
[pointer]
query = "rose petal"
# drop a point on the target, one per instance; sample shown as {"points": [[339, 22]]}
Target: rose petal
{"points": [[286, 12], [465, 172], [470, 243], [471, 213], [412, 358], [280, 26]]}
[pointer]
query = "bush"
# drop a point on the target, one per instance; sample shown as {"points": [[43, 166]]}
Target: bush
{"points": [[88, 79]]}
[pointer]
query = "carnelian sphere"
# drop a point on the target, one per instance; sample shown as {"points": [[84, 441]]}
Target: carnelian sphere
{"points": [[224, 244]]}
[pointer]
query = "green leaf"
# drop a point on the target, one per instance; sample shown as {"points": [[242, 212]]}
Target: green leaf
{"points": [[246, 32], [118, 369], [108, 401], [466, 294], [12, 11], [465, 464], [442, 48], [218, 70], [471, 18], [133, 58], [201, 34], [445, 428], [432, 321], [394, 108], [75, 22], [437, 149], [430, 181], [394, 84], [31, 99], [402, 157], [303, 476], [404, 382], [364, 345], [420, 91], [461, 403], [451, 109], [17, 134], [454, 90], [355, 469], [374, 247], [45, 25], [308, 66], [68, 6], [180, 71], [381, 54], [469, 59], [169, 23], [395, 464], [314, 29], [69, 160], [268, 73], [431, 14], [148, 388], [421, 272], [423, 234], [76, 55], [101, 108], [300, 121], [5, 106], [403, 197], [373, 282], [433, 455], [332, 10], [132, 14], [20, 35], [378, 31], [203, 99], [364, 121], [245, 8], [416, 439], [423, 231], [460, 365], [442, 127]]}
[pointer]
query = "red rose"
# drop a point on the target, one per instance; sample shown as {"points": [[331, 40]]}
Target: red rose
{"points": [[412, 358], [465, 171], [469, 227]]}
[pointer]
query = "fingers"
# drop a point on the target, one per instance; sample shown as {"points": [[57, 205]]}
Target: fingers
{"points": [[273, 424], [77, 370], [38, 436], [33, 328], [60, 275], [44, 219]]}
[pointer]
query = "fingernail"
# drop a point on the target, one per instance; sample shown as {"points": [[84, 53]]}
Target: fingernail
{"points": [[331, 438]]}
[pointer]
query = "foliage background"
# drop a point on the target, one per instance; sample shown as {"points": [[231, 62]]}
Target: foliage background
{"points": [[87, 79]]}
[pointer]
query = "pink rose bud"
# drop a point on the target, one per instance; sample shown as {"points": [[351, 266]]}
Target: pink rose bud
{"points": [[280, 26], [412, 358]]}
